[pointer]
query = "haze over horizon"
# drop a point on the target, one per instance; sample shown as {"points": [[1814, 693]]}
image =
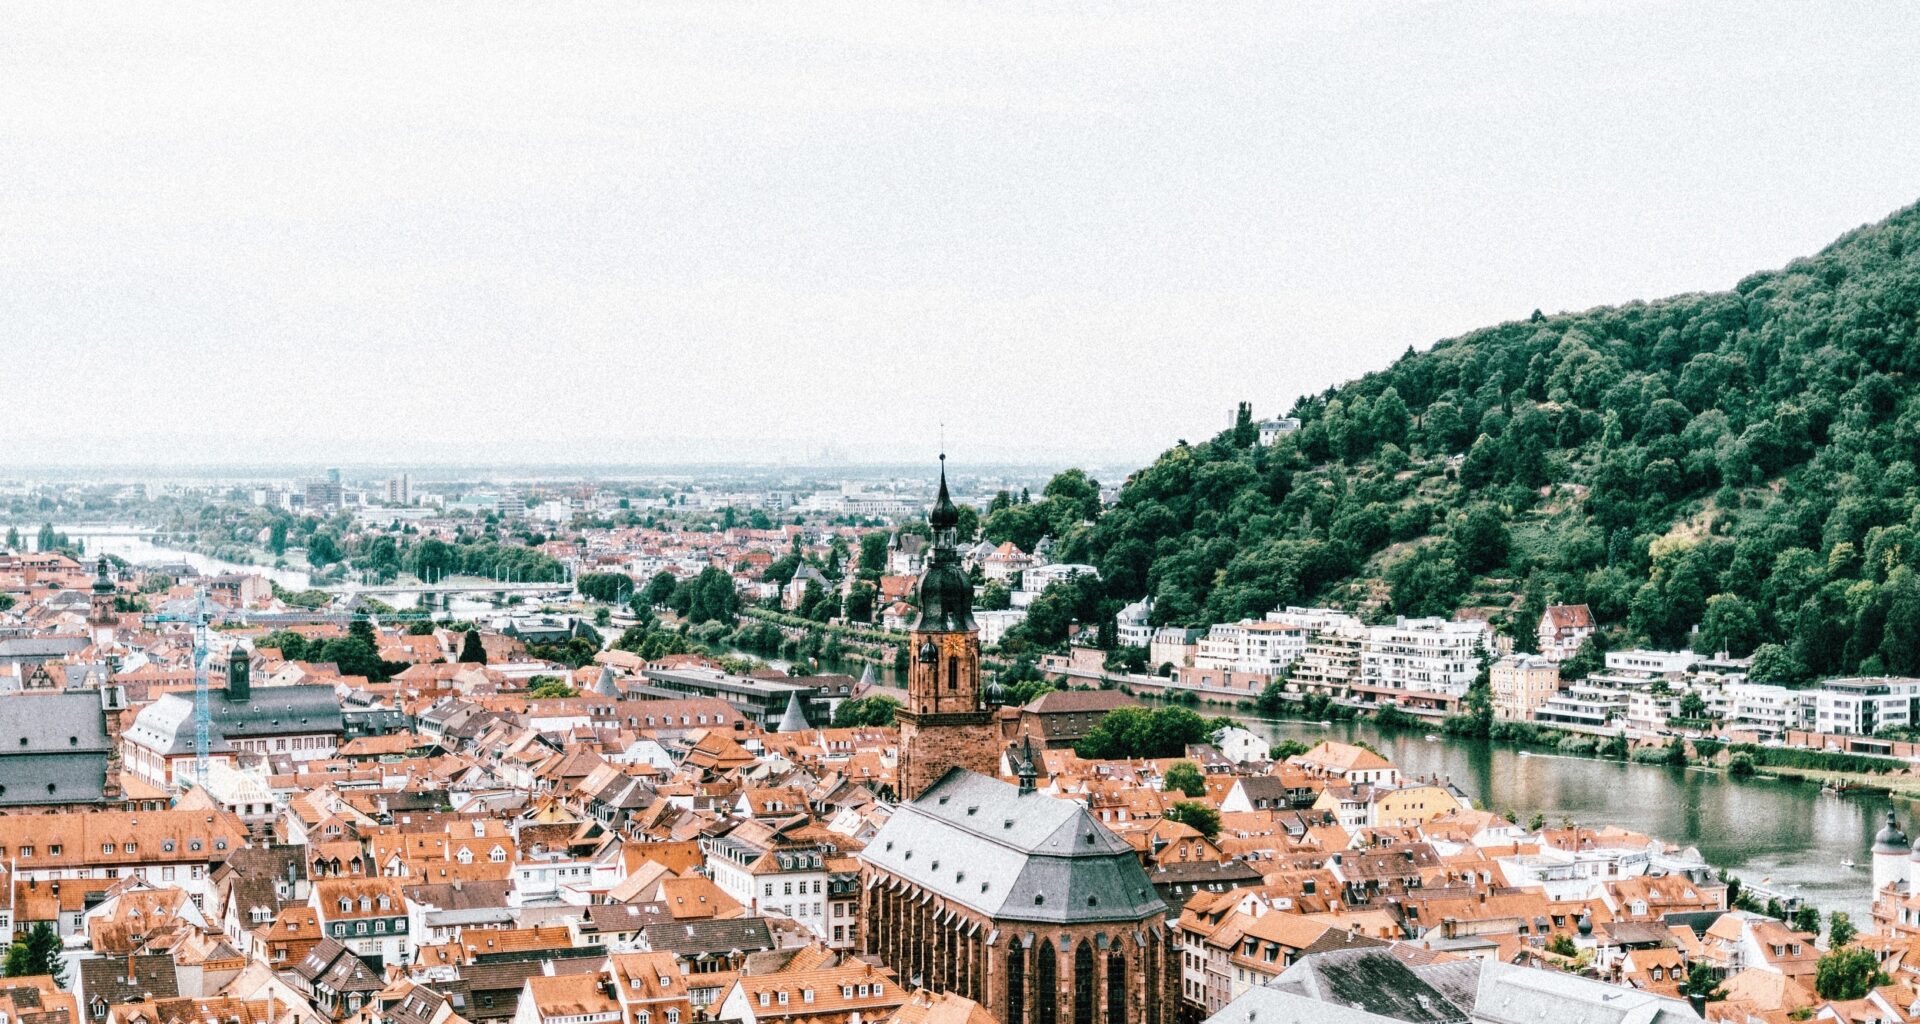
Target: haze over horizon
{"points": [[648, 234]]}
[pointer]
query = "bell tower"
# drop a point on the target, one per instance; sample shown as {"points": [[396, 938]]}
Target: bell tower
{"points": [[946, 723], [101, 618]]}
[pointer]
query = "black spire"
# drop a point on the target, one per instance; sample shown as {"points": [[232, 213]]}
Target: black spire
{"points": [[945, 594], [101, 584], [944, 515]]}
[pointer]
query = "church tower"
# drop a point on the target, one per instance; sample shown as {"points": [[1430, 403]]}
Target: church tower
{"points": [[101, 618], [945, 723]]}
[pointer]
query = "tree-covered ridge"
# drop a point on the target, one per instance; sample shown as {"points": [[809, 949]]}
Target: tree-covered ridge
{"points": [[1744, 461]]}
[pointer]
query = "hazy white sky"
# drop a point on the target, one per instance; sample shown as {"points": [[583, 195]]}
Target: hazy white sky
{"points": [[472, 230]]}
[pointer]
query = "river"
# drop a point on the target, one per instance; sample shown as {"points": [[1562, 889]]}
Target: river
{"points": [[1783, 835], [138, 550]]}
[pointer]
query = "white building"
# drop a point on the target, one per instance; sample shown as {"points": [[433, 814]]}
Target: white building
{"points": [[994, 625], [1431, 655], [1275, 429], [1261, 648], [1766, 709], [1862, 707], [1317, 620], [1036, 579], [1134, 623]]}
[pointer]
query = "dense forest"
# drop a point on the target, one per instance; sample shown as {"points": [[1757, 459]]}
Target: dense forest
{"points": [[1733, 471]]}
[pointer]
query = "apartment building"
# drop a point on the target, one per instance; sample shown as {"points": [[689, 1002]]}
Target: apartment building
{"points": [[1430, 655], [1861, 707], [1521, 684], [1766, 709], [1260, 648]]}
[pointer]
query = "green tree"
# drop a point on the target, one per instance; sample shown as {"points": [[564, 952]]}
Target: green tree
{"points": [[873, 555], [472, 651], [608, 587], [1142, 732], [1197, 816], [1561, 944], [37, 951], [1703, 983], [1807, 919], [1692, 706], [322, 550], [1731, 625], [1482, 539], [1840, 930], [1185, 777], [659, 590], [875, 711], [1848, 973], [1430, 581], [549, 686]]}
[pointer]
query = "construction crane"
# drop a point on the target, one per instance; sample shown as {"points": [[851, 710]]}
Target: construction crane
{"points": [[202, 710]]}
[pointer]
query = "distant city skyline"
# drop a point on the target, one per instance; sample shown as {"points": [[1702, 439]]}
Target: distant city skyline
{"points": [[417, 235]]}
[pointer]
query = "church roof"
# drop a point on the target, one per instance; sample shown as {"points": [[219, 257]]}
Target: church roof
{"points": [[1013, 855]]}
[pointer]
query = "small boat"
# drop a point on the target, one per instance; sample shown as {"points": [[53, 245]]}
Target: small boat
{"points": [[1432, 738], [1324, 724], [1846, 864], [1526, 753]]}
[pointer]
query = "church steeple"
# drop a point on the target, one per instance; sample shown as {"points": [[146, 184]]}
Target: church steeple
{"points": [[944, 724], [945, 594], [100, 611]]}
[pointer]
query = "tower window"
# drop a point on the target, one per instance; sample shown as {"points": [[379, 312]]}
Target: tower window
{"points": [[953, 673]]}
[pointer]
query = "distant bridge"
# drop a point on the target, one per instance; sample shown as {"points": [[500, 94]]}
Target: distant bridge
{"points": [[467, 587], [92, 529]]}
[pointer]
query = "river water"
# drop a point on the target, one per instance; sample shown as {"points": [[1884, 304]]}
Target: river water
{"points": [[138, 550], [1786, 836]]}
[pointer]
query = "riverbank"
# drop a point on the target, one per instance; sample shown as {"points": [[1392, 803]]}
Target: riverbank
{"points": [[1853, 774], [1781, 832]]}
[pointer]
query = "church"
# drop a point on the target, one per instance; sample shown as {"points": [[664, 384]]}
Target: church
{"points": [[1017, 900]]}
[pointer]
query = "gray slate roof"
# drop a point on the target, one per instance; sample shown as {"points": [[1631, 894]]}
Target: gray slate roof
{"points": [[709, 935], [1013, 856], [32, 779], [41, 723], [166, 725], [1371, 980], [1377, 986]]}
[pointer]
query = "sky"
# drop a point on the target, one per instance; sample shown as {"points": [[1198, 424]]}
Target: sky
{"points": [[1053, 232]]}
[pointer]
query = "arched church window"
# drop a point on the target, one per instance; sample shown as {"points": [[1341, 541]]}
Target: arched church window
{"points": [[1046, 983], [1083, 983]]}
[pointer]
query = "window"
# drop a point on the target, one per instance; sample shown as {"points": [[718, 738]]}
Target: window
{"points": [[673, 1017], [1083, 983], [25, 852], [1046, 980]]}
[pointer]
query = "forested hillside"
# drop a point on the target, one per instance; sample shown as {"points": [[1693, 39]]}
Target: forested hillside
{"points": [[1743, 462]]}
